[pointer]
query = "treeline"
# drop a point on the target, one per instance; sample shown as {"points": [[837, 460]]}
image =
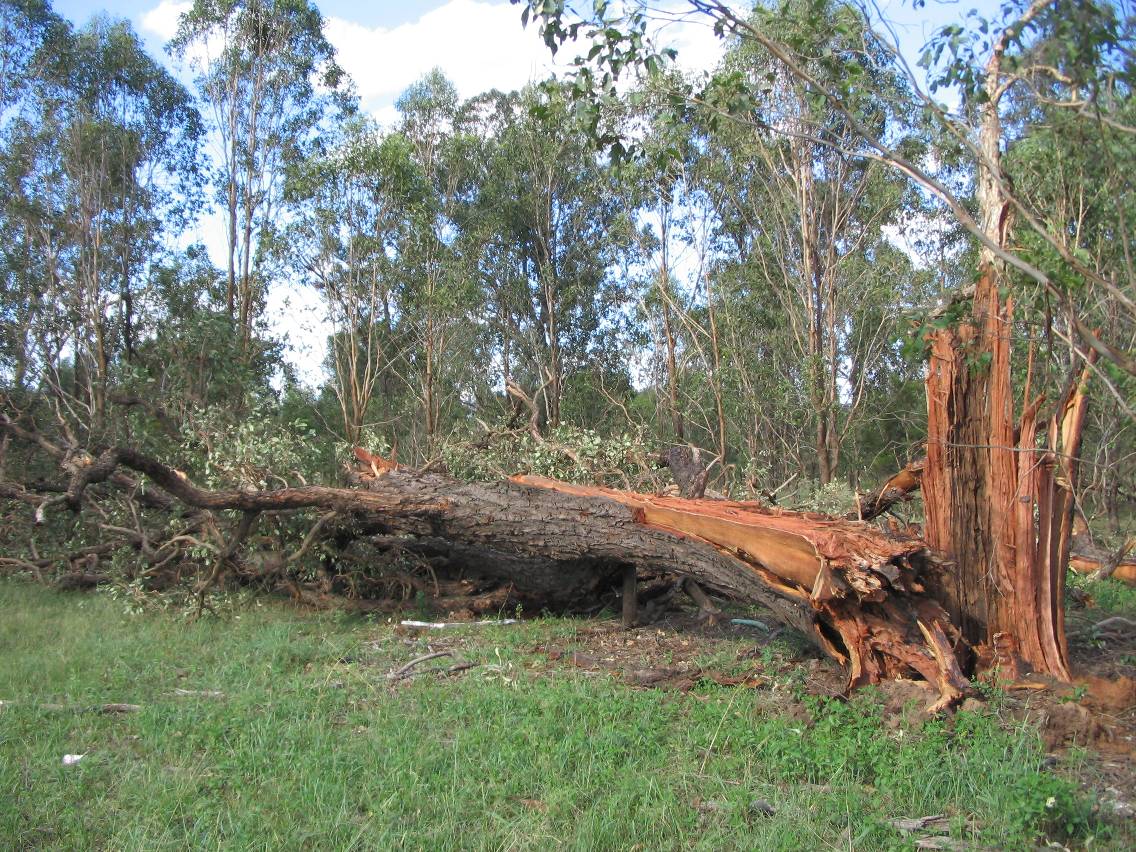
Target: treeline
{"points": [[505, 286]]}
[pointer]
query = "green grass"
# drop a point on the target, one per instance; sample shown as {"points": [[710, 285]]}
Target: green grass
{"points": [[311, 748], [1109, 597]]}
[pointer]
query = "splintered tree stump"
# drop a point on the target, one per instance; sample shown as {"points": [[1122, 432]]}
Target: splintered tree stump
{"points": [[857, 594]]}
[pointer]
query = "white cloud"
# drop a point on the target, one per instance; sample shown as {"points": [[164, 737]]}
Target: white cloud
{"points": [[478, 45], [693, 37], [162, 20], [296, 313]]}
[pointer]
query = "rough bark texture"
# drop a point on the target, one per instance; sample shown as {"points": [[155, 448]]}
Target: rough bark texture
{"points": [[856, 593], [864, 592], [954, 480], [999, 501]]}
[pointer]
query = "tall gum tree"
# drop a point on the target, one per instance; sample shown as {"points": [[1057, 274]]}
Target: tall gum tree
{"points": [[806, 220], [100, 158], [269, 77], [352, 201], [440, 294], [554, 227]]}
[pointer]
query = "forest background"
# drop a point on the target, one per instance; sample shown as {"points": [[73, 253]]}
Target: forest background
{"points": [[500, 293]]}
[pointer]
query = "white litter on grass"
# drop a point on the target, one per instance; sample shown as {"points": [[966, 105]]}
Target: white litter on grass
{"points": [[72, 759], [440, 625]]}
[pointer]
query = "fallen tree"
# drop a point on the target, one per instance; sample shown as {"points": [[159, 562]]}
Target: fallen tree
{"points": [[859, 595], [1098, 563]]}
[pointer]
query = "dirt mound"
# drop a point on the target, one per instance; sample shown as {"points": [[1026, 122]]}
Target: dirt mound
{"points": [[1069, 724]]}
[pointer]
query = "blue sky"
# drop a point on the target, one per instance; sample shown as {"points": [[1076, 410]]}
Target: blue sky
{"points": [[385, 14], [480, 44]]}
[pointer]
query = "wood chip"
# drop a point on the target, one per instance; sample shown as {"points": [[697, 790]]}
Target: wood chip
{"points": [[120, 708], [199, 693], [938, 822]]}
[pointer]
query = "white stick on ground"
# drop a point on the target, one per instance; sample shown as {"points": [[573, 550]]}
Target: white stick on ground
{"points": [[441, 625]]}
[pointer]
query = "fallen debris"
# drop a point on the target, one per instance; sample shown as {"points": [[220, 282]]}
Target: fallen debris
{"points": [[464, 665], [443, 625], [199, 693], [119, 708], [1116, 628], [936, 823], [750, 622], [405, 671]]}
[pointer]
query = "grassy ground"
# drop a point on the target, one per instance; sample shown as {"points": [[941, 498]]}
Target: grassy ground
{"points": [[310, 746]]}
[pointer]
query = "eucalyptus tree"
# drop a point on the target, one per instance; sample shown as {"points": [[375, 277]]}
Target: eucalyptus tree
{"points": [[100, 159], [1083, 173], [132, 158], [666, 199], [805, 224], [31, 36], [268, 75], [26, 27], [554, 227], [353, 202], [441, 296]]}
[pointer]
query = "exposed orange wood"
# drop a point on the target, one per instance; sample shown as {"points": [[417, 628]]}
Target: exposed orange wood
{"points": [[898, 487], [999, 498], [377, 464], [791, 544], [1125, 571], [859, 583]]}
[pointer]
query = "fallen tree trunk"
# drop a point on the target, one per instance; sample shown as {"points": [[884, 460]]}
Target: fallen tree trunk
{"points": [[862, 593], [857, 594], [1098, 563]]}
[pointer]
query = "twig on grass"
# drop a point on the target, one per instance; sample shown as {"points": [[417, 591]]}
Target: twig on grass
{"points": [[405, 670]]}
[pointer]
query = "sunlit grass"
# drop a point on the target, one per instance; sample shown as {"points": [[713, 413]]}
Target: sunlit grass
{"points": [[311, 747]]}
